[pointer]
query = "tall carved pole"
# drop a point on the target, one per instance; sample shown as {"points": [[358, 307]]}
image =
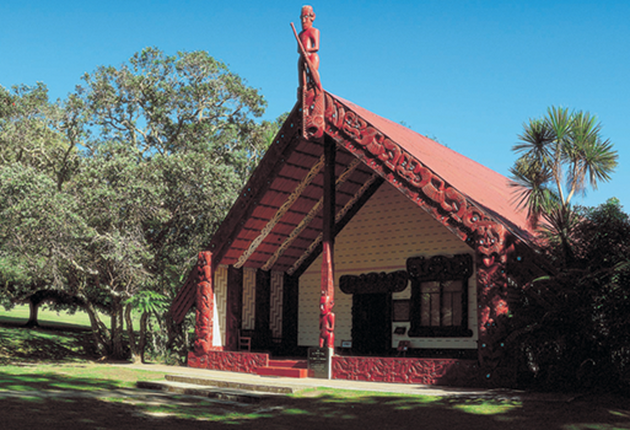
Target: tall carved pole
{"points": [[327, 301], [204, 304]]}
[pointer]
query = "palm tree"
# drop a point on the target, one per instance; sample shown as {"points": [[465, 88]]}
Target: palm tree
{"points": [[560, 153]]}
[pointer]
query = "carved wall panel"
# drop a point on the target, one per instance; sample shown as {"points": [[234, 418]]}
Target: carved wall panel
{"points": [[249, 298], [275, 317], [232, 361], [406, 370]]}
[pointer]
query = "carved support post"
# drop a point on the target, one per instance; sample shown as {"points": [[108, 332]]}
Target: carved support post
{"points": [[493, 247], [204, 303], [327, 317]]}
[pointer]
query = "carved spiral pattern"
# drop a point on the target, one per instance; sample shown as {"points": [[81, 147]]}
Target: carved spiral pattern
{"points": [[491, 240]]}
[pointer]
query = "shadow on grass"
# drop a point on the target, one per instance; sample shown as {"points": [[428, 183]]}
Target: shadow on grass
{"points": [[55, 401], [44, 343]]}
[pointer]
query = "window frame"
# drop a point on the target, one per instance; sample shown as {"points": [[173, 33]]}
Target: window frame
{"points": [[439, 269]]}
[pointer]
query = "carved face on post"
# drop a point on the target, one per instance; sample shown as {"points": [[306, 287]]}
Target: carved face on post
{"points": [[307, 17], [325, 304]]}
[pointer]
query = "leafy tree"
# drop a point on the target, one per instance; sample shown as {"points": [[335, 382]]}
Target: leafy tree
{"points": [[571, 328], [35, 132], [560, 154], [169, 141], [107, 197], [40, 235]]}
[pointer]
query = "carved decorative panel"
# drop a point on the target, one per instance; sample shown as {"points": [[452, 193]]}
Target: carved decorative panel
{"points": [[244, 362], [491, 241], [275, 317], [373, 283], [406, 370], [249, 298]]}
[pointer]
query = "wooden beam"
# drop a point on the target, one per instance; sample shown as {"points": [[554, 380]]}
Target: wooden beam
{"points": [[281, 212], [308, 217]]}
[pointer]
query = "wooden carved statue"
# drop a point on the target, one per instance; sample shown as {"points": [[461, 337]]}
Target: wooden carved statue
{"points": [[204, 304], [310, 91], [326, 322]]}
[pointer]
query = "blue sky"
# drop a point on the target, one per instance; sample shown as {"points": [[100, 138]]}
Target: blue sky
{"points": [[467, 73]]}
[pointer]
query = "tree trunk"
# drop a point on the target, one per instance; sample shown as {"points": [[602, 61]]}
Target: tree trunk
{"points": [[99, 330], [118, 351], [136, 352], [33, 306], [143, 335]]}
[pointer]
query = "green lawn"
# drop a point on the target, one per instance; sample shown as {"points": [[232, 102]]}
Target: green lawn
{"points": [[20, 313], [48, 381], [47, 318], [89, 395]]}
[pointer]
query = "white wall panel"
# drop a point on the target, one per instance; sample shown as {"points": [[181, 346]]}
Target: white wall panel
{"points": [[380, 238]]}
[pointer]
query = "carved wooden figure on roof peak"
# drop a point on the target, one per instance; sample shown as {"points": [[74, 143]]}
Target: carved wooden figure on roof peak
{"points": [[310, 91]]}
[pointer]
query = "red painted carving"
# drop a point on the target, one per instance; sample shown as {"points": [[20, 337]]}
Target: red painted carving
{"points": [[204, 304], [405, 370], [232, 361], [310, 91], [326, 316], [490, 239]]}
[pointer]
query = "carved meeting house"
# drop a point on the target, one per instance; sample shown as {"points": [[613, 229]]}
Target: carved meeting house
{"points": [[359, 235]]}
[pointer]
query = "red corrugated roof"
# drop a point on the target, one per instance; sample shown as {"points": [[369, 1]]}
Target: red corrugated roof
{"points": [[489, 189]]}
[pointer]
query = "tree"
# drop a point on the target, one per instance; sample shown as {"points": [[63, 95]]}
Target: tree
{"points": [[34, 132], [40, 234], [570, 330], [107, 197], [560, 154], [169, 142]]}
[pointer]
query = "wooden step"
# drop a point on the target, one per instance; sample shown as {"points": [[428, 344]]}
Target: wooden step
{"points": [[294, 364], [289, 372]]}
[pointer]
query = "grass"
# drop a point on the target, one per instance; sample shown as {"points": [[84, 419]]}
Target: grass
{"points": [[49, 381], [49, 318]]}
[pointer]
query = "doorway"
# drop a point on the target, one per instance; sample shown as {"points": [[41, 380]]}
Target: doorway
{"points": [[371, 323]]}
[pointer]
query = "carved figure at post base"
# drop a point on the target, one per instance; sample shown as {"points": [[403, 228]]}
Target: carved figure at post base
{"points": [[326, 322]]}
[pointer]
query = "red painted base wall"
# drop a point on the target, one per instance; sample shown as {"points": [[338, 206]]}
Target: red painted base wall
{"points": [[426, 371], [244, 362]]}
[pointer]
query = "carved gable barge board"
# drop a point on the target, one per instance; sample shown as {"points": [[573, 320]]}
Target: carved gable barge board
{"points": [[460, 214], [256, 186]]}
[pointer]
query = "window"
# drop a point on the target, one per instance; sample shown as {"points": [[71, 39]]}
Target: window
{"points": [[439, 296]]}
